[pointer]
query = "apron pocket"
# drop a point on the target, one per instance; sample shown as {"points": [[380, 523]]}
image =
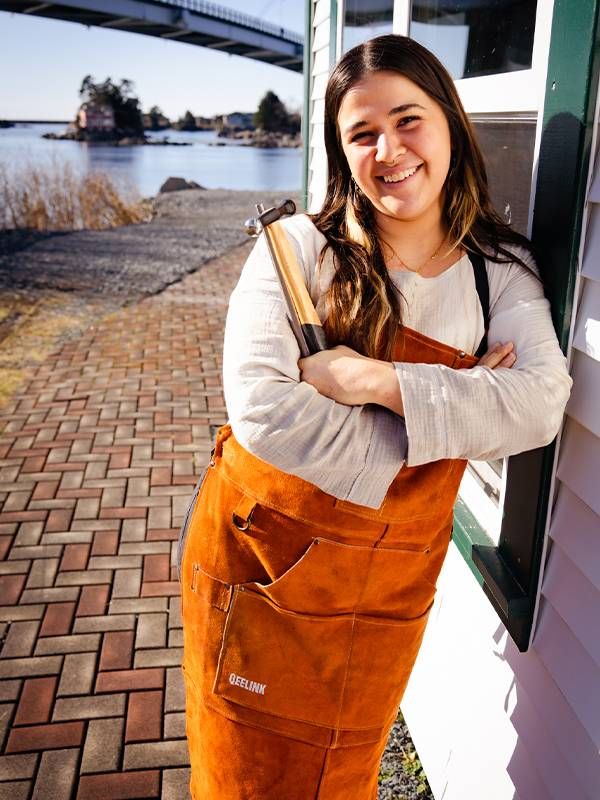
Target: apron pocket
{"points": [[326, 580], [382, 657], [283, 663]]}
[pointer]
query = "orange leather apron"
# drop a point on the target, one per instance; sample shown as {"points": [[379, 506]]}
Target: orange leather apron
{"points": [[303, 616]]}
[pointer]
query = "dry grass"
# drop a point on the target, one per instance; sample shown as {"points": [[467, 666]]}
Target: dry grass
{"points": [[55, 196], [31, 327]]}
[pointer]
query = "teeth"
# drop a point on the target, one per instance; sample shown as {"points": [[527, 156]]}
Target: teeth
{"points": [[400, 176]]}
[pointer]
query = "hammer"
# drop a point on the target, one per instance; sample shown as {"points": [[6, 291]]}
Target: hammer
{"points": [[301, 311]]}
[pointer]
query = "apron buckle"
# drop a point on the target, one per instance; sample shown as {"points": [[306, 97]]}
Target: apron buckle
{"points": [[242, 515]]}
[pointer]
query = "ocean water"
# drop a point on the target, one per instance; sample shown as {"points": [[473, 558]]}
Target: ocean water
{"points": [[233, 166]]}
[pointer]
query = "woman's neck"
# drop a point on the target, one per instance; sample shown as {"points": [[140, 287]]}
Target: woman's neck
{"points": [[412, 241], [410, 244]]}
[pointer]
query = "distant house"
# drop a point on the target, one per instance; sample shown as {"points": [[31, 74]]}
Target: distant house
{"points": [[96, 117], [205, 123], [238, 119]]}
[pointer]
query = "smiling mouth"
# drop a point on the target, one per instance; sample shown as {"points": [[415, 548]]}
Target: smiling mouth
{"points": [[399, 177]]}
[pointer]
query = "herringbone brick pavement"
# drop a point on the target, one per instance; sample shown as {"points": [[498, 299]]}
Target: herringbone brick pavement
{"points": [[99, 453]]}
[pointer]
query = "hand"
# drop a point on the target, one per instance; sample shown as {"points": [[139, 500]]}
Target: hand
{"points": [[340, 373], [498, 355]]}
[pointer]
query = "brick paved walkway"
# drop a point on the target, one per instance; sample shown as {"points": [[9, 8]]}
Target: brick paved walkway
{"points": [[99, 452]]}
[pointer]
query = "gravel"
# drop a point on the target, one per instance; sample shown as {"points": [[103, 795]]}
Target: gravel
{"points": [[401, 776], [126, 263]]}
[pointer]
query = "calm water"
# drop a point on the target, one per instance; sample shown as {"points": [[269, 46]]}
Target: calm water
{"points": [[145, 168]]}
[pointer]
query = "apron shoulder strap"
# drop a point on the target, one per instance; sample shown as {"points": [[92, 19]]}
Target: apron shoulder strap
{"points": [[483, 291]]}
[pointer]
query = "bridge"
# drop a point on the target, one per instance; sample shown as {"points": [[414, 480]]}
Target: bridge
{"points": [[192, 21]]}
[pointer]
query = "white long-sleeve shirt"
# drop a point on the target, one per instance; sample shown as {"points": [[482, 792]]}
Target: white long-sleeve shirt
{"points": [[355, 452]]}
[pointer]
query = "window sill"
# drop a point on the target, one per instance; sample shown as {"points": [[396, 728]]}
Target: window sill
{"points": [[488, 566]]}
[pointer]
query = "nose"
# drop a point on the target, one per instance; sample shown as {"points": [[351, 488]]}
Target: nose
{"points": [[389, 148]]}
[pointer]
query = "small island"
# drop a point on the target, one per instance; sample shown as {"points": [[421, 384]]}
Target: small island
{"points": [[111, 114]]}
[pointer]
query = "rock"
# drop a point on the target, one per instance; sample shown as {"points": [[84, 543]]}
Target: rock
{"points": [[177, 184]]}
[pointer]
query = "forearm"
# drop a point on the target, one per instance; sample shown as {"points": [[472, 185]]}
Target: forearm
{"points": [[383, 386]]}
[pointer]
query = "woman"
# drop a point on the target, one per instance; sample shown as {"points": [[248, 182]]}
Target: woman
{"points": [[313, 549]]}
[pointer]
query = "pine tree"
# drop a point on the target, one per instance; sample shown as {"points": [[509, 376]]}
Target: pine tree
{"points": [[272, 114]]}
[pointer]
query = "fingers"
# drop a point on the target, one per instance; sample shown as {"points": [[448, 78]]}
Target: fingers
{"points": [[499, 355], [508, 360]]}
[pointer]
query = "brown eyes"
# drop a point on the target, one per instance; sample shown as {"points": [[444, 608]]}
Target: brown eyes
{"points": [[402, 123]]}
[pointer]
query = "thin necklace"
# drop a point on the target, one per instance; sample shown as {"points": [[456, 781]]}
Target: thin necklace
{"points": [[417, 269]]}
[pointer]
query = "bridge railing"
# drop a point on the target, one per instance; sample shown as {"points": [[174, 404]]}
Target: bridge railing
{"points": [[229, 14]]}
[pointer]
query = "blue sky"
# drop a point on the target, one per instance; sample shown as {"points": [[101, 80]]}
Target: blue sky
{"points": [[44, 61]]}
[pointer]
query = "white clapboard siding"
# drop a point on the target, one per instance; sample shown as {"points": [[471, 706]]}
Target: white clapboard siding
{"points": [[572, 667], [321, 62], [579, 463], [575, 528], [587, 332], [575, 598], [583, 403], [321, 12], [559, 779], [568, 634], [321, 35], [561, 723], [319, 73]]}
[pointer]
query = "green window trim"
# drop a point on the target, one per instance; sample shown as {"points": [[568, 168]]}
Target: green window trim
{"points": [[509, 573]]}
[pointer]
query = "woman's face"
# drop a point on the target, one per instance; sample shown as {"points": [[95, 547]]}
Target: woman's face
{"points": [[397, 143]]}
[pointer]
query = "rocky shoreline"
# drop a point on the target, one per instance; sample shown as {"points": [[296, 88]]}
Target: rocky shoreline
{"points": [[260, 138], [250, 138], [125, 141]]}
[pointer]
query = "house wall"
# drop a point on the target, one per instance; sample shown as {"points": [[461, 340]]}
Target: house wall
{"points": [[488, 721], [321, 56]]}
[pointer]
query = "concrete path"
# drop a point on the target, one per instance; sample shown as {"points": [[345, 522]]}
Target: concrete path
{"points": [[99, 453]]}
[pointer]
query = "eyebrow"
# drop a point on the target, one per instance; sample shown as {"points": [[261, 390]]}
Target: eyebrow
{"points": [[396, 110]]}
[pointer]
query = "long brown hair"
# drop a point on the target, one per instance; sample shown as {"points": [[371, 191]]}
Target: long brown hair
{"points": [[363, 310]]}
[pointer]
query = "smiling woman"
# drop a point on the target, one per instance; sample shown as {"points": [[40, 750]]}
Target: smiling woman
{"points": [[399, 156], [315, 541]]}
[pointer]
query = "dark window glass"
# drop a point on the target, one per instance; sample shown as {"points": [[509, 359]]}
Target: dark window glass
{"points": [[507, 144], [476, 37], [364, 19]]}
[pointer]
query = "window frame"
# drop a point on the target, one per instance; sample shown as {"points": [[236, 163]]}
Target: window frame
{"points": [[339, 39], [563, 80]]}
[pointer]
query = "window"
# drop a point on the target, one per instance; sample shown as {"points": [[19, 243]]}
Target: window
{"points": [[364, 19], [476, 38], [508, 144]]}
